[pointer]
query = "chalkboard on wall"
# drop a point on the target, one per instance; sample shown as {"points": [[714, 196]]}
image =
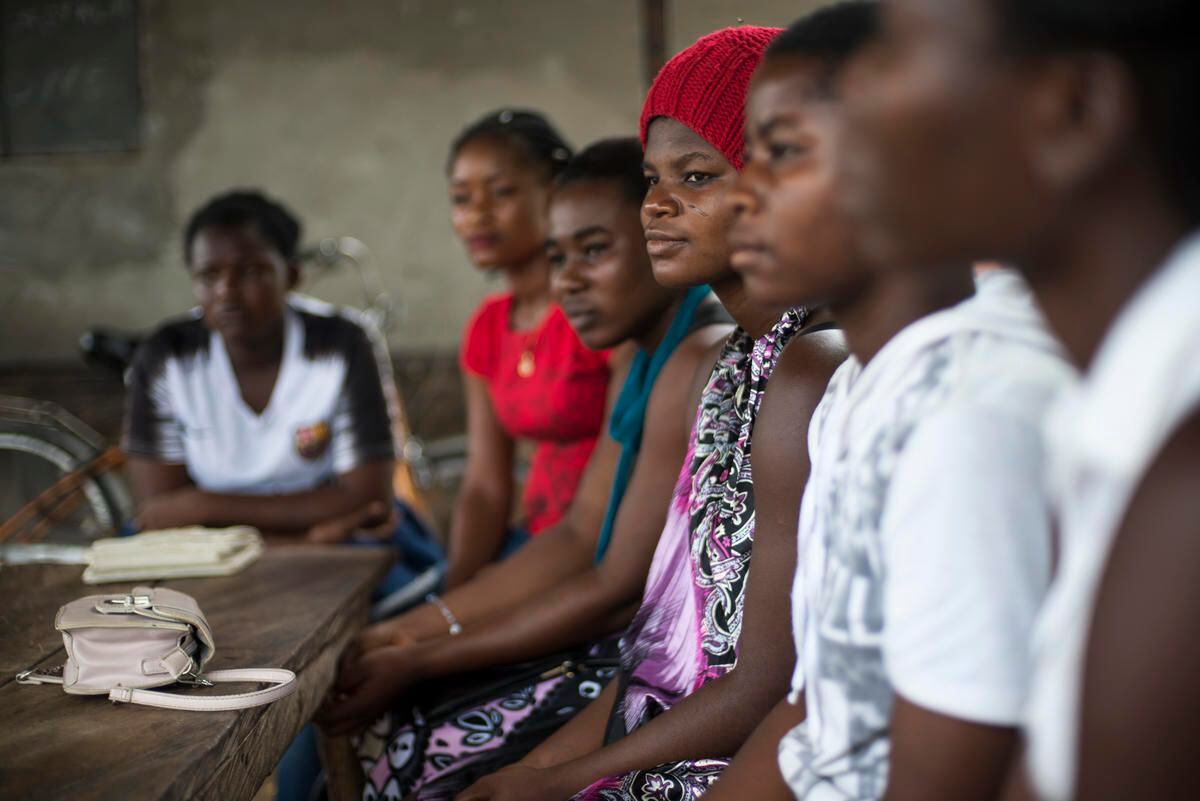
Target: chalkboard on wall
{"points": [[68, 76]]}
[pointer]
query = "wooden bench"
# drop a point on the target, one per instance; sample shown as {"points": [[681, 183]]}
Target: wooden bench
{"points": [[296, 607]]}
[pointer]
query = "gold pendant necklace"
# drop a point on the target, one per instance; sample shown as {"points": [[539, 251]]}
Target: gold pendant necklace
{"points": [[526, 364]]}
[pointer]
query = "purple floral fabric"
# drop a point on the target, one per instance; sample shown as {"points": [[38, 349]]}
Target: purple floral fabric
{"points": [[435, 756], [686, 632]]}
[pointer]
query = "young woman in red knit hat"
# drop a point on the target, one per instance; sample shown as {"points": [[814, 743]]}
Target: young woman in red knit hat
{"points": [[706, 657]]}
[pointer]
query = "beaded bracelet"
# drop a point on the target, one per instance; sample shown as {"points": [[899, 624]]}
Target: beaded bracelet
{"points": [[455, 626]]}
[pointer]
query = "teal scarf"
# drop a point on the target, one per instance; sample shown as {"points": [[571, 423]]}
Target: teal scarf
{"points": [[629, 412]]}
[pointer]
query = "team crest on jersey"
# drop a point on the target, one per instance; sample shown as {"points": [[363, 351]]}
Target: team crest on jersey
{"points": [[312, 441]]}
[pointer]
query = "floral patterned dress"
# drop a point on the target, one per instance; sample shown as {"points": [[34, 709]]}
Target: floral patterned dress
{"points": [[686, 632], [475, 725]]}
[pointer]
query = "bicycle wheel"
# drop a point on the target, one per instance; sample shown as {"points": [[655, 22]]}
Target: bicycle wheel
{"points": [[39, 444]]}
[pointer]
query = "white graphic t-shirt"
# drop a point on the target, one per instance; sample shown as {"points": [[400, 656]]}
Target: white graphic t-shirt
{"points": [[329, 410], [924, 536]]}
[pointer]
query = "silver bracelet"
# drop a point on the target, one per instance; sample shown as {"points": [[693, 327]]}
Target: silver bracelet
{"points": [[455, 626]]}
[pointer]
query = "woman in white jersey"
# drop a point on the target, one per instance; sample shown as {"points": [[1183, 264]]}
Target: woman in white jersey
{"points": [[1060, 136], [259, 407]]}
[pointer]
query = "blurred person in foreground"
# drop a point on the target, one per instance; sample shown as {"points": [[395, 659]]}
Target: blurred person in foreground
{"points": [[1060, 136]]}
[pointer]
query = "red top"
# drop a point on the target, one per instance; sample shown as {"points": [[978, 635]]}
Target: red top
{"points": [[545, 386]]}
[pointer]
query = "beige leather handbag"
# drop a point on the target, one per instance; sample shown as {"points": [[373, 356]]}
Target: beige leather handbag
{"points": [[120, 645]]}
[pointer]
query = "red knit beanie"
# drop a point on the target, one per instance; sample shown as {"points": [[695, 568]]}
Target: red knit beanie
{"points": [[704, 87]]}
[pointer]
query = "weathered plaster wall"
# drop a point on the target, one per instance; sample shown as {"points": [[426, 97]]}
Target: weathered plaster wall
{"points": [[344, 110]]}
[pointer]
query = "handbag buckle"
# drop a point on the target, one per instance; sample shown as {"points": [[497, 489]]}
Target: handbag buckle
{"points": [[193, 679], [129, 601], [49, 675]]}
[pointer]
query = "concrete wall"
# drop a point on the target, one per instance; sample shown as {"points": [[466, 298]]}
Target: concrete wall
{"points": [[688, 20], [344, 110]]}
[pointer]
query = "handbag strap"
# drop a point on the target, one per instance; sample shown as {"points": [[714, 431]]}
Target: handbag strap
{"points": [[283, 681]]}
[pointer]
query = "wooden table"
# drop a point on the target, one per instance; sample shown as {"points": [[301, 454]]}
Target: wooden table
{"points": [[296, 607]]}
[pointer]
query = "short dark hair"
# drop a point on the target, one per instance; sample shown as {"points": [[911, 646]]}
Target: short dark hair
{"points": [[279, 226], [1156, 39], [530, 132], [618, 160], [831, 35]]}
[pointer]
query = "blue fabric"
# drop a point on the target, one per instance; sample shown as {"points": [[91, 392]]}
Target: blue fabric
{"points": [[300, 767], [629, 412], [513, 540], [416, 549]]}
